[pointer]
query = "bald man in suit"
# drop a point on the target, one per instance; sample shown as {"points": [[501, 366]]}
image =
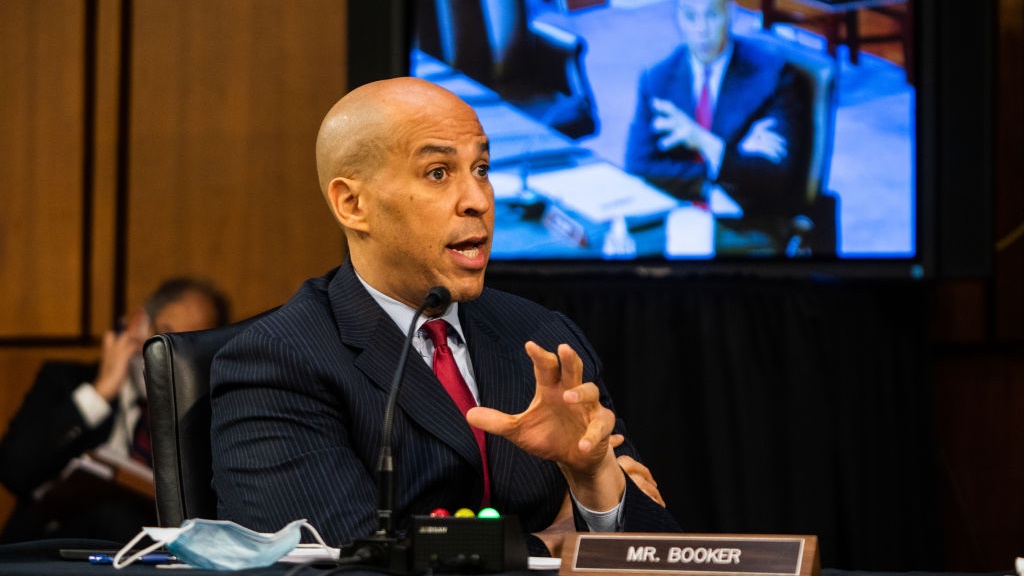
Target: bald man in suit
{"points": [[298, 398]]}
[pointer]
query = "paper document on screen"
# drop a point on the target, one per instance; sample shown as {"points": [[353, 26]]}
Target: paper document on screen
{"points": [[601, 192], [506, 185], [722, 205]]}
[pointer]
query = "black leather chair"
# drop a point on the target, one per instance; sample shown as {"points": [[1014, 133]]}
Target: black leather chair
{"points": [[177, 373], [814, 227], [532, 65], [809, 228]]}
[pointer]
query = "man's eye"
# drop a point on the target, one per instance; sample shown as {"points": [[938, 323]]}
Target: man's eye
{"points": [[437, 174], [482, 170]]}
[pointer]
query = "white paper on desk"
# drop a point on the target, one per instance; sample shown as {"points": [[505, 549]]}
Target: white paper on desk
{"points": [[88, 463], [544, 563], [122, 462], [84, 463], [306, 552], [600, 192]]}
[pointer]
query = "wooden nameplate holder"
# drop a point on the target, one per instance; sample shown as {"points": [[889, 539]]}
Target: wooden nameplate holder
{"points": [[700, 554]]}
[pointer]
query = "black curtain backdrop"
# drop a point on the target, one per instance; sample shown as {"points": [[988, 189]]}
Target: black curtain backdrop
{"points": [[772, 406]]}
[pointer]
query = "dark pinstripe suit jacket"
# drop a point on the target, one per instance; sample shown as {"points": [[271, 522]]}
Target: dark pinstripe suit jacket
{"points": [[298, 401]]}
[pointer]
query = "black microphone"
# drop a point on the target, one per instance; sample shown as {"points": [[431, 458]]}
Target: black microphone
{"points": [[437, 543], [381, 548], [437, 297]]}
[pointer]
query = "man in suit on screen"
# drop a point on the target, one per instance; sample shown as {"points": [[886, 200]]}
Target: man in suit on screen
{"points": [[722, 111], [298, 398]]}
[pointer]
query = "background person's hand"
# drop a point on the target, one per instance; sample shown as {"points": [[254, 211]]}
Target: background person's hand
{"points": [[117, 351]]}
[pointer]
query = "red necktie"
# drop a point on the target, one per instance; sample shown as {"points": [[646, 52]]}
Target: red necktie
{"points": [[447, 371], [704, 112], [703, 115]]}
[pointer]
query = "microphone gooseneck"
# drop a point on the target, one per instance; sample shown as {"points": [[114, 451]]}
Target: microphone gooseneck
{"points": [[437, 297], [435, 543]]}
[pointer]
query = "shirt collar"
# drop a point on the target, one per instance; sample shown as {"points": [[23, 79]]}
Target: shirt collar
{"points": [[717, 65], [402, 313]]}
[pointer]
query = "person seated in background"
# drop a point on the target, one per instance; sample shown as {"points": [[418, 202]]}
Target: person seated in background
{"points": [[502, 403], [722, 111], [73, 408]]}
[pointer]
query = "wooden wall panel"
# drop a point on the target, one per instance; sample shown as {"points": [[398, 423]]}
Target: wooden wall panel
{"points": [[226, 101], [198, 119], [41, 144], [106, 164], [43, 120], [980, 408]]}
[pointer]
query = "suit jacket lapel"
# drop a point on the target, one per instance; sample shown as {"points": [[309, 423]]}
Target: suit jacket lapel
{"points": [[362, 324], [745, 87], [680, 88], [499, 368]]}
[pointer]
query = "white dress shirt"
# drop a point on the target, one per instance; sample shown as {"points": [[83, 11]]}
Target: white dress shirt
{"points": [[717, 69], [95, 409]]}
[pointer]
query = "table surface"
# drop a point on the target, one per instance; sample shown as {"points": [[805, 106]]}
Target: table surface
{"points": [[42, 558]]}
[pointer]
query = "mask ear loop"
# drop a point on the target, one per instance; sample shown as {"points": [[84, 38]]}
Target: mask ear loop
{"points": [[316, 536], [118, 564]]}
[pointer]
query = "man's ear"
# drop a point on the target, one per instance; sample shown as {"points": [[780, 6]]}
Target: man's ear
{"points": [[343, 196]]}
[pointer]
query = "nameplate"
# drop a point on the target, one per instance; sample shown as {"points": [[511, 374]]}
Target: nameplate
{"points": [[754, 554]]}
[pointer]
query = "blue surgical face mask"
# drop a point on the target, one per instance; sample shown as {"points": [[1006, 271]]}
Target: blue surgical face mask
{"points": [[221, 544]]}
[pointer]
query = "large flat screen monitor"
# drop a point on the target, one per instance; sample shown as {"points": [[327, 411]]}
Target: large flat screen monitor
{"points": [[611, 153]]}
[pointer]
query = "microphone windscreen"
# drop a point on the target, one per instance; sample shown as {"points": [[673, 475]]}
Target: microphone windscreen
{"points": [[438, 297]]}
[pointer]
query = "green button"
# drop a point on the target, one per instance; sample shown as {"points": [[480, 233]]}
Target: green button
{"points": [[488, 513]]}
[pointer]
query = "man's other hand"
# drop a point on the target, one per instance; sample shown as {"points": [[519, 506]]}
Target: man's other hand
{"points": [[763, 140], [638, 473]]}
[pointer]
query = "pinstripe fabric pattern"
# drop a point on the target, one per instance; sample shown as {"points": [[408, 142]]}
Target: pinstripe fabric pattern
{"points": [[298, 401]]}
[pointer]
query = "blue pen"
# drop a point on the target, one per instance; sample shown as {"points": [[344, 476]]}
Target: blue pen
{"points": [[155, 558]]}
